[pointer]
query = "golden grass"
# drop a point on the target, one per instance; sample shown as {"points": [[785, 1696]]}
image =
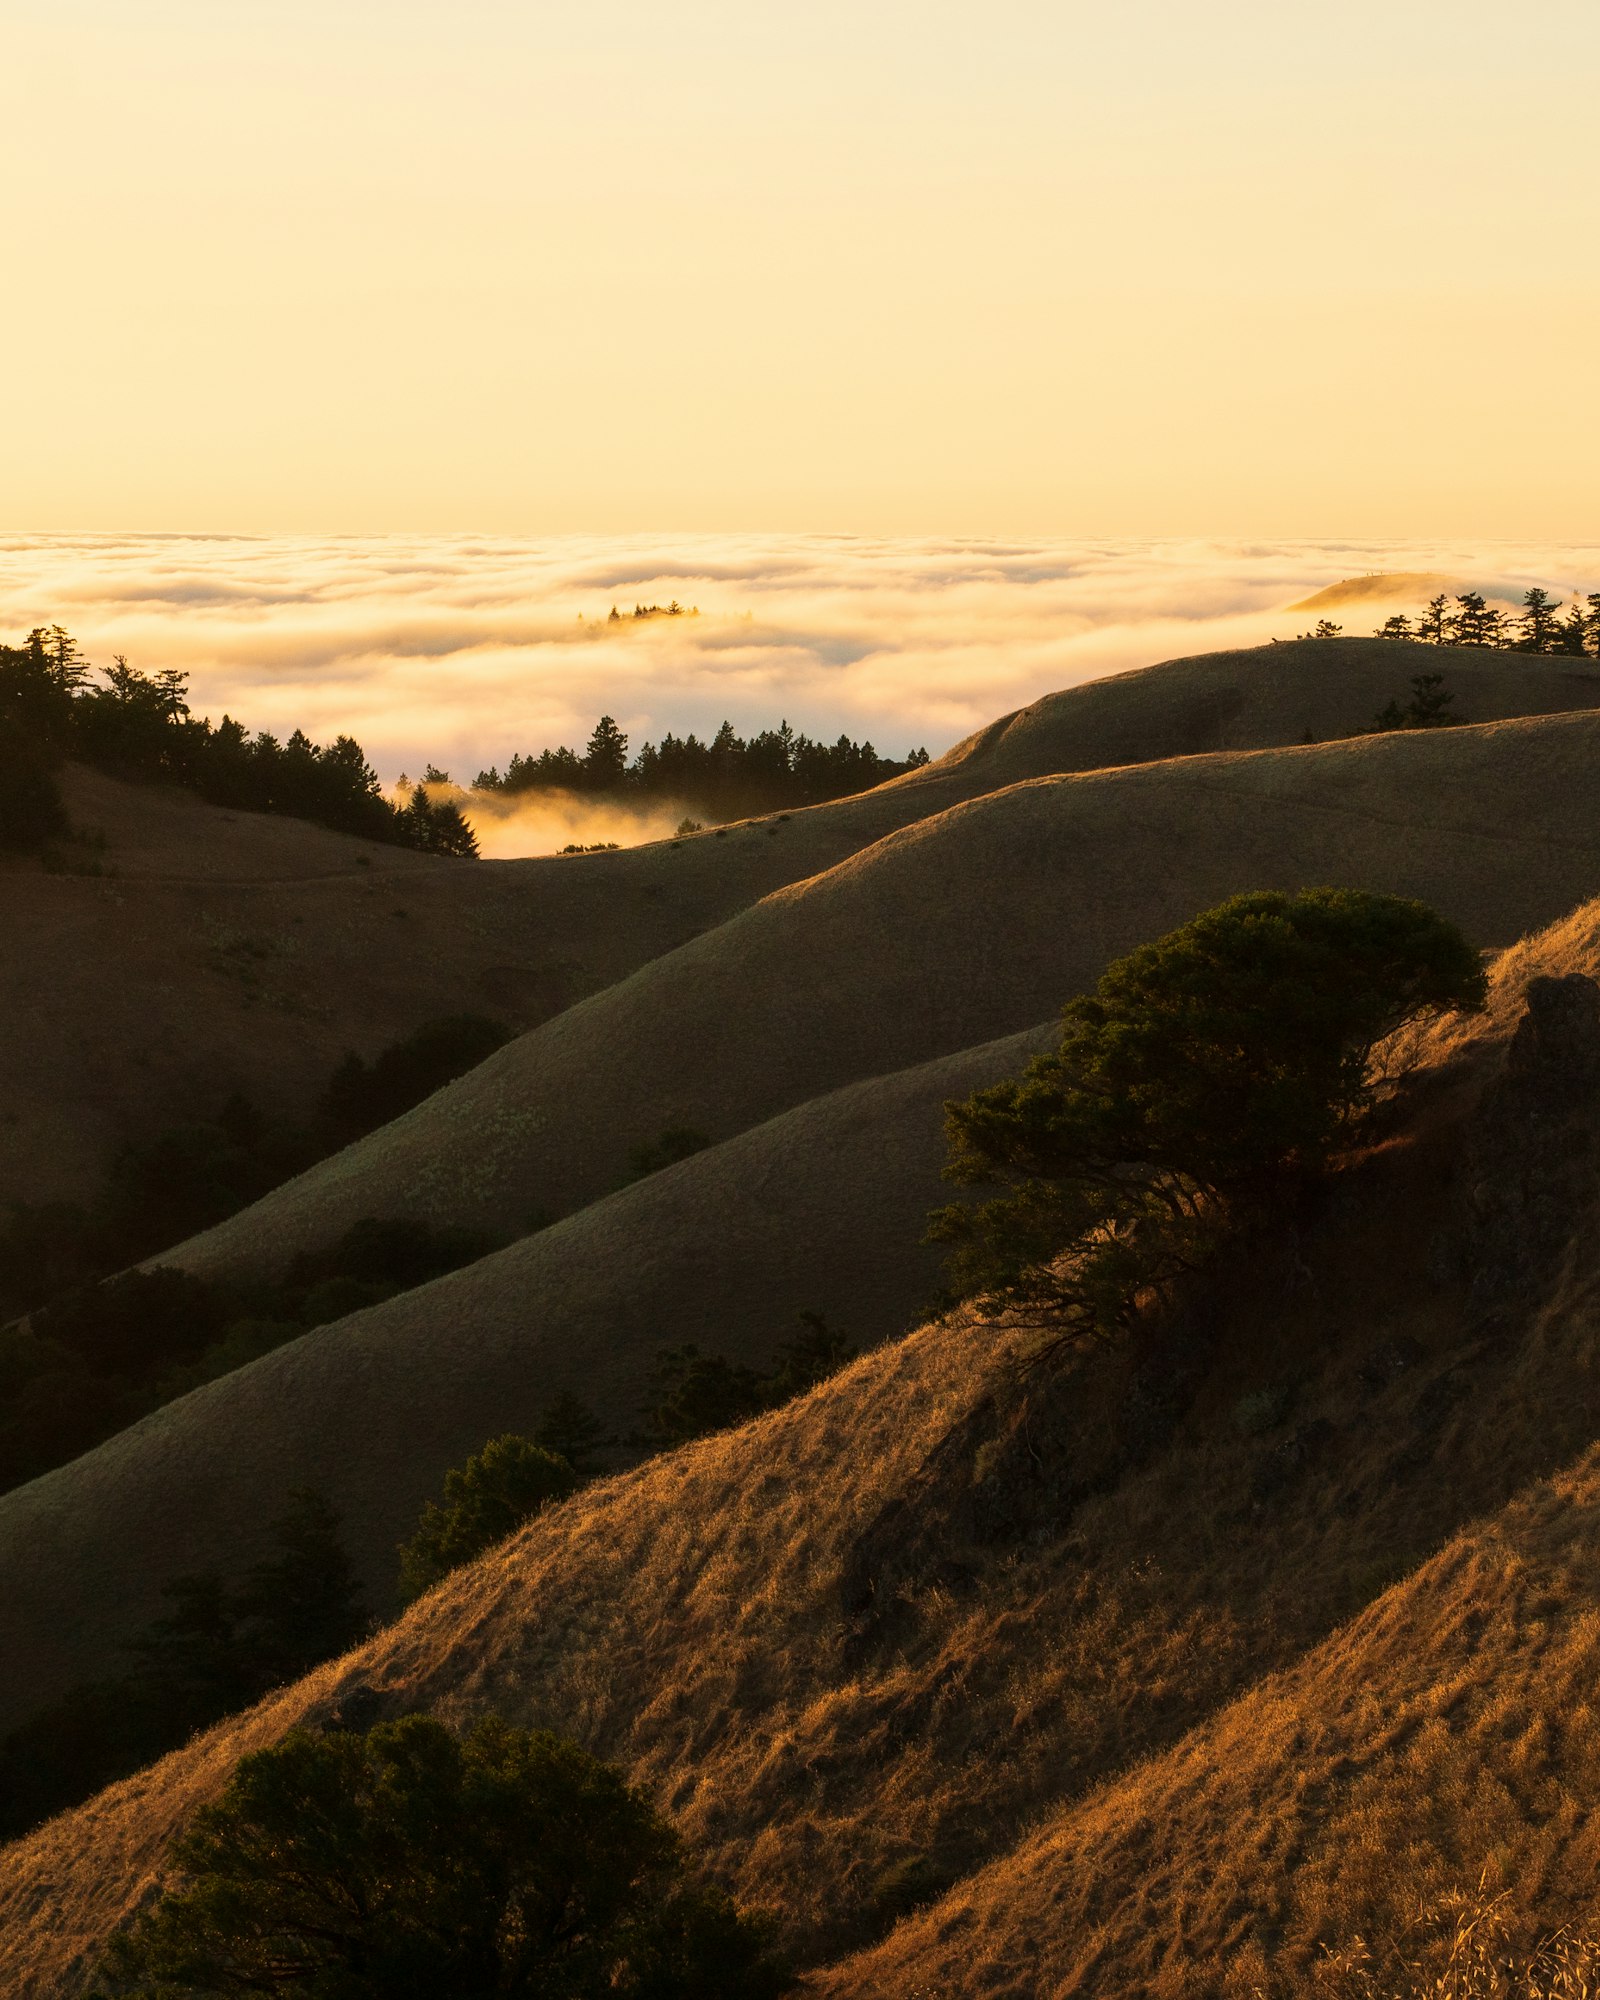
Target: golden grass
{"points": [[1184, 1737]]}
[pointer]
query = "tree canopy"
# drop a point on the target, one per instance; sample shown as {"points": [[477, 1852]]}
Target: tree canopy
{"points": [[1205, 1074], [488, 1498], [416, 1865]]}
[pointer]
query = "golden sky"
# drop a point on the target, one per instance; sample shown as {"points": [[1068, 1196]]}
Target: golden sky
{"points": [[1211, 267]]}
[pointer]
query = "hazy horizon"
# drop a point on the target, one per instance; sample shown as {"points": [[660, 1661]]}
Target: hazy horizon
{"points": [[463, 650]]}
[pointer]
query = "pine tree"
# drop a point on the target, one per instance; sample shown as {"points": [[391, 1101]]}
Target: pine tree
{"points": [[605, 761], [1539, 627], [1432, 623]]}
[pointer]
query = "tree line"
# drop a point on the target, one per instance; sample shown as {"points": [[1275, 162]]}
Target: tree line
{"points": [[1544, 625], [141, 725], [731, 777]]}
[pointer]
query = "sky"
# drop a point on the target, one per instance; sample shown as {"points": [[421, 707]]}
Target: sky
{"points": [[461, 650], [1031, 269]]}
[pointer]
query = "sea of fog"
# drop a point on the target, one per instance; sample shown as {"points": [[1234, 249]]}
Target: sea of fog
{"points": [[459, 650]]}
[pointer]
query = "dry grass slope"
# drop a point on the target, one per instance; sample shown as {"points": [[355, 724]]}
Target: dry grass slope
{"points": [[1244, 1688]]}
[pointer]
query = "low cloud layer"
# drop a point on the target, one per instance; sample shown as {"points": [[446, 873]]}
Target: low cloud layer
{"points": [[461, 650]]}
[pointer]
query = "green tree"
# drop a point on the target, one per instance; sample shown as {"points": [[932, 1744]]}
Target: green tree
{"points": [[414, 1865], [569, 1429], [1432, 623], [1205, 1074], [488, 1498], [1396, 627]]}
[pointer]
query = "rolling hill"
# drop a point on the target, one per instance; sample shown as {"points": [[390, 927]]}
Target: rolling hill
{"points": [[983, 1681], [970, 924], [1155, 1676], [238, 952]]}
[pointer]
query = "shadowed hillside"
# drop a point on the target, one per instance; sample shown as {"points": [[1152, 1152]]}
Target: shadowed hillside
{"points": [[1153, 1675], [251, 952], [820, 1210], [968, 925]]}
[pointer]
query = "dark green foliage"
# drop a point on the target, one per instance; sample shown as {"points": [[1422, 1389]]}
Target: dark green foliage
{"points": [[728, 778], [569, 1429], [363, 1096], [1427, 708], [1206, 1074], [37, 684], [395, 1255], [436, 826], [691, 1394], [678, 1142], [140, 725], [488, 1498], [214, 1650], [816, 1352], [1539, 628], [413, 1865]]}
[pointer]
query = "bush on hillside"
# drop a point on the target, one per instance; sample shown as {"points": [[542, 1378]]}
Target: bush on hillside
{"points": [[422, 1866], [488, 1498], [1427, 709], [692, 1395], [1205, 1075], [215, 1649]]}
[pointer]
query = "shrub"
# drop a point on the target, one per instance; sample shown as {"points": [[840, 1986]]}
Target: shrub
{"points": [[488, 1498], [1204, 1076], [419, 1866]]}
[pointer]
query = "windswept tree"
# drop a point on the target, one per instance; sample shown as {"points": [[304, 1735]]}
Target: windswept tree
{"points": [[1204, 1077]]}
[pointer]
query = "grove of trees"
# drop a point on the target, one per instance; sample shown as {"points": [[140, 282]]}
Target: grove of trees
{"points": [[731, 777], [140, 725], [1542, 626], [215, 1649]]}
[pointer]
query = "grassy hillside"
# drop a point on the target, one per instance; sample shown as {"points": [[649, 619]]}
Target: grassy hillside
{"points": [[965, 926], [1169, 1669], [250, 952], [820, 1210]]}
